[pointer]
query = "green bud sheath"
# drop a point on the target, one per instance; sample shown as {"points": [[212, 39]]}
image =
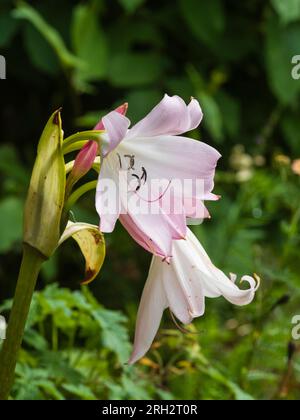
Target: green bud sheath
{"points": [[45, 200]]}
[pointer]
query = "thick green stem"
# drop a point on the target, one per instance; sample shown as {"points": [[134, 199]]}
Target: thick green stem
{"points": [[79, 193], [74, 147], [82, 136], [29, 271]]}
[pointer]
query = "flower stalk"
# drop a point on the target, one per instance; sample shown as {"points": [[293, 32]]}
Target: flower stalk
{"points": [[77, 194], [83, 136], [29, 271]]}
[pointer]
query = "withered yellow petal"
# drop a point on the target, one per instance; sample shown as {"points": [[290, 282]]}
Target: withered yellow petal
{"points": [[92, 244]]}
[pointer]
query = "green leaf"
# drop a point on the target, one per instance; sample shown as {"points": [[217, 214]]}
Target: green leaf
{"points": [[139, 32], [290, 125], [51, 35], [282, 43], [50, 389], [59, 367], [116, 392], [239, 394], [131, 5], [11, 216], [80, 390], [231, 115], [39, 51], [35, 340], [32, 381], [206, 19], [288, 10], [141, 102], [90, 45], [212, 116], [135, 69], [115, 335], [134, 389], [8, 27], [11, 167], [90, 119], [185, 385]]}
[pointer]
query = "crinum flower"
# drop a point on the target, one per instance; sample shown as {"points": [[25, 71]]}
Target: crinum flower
{"points": [[154, 150], [182, 286]]}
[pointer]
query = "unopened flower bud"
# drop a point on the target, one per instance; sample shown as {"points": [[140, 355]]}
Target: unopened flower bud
{"points": [[84, 161], [46, 193]]}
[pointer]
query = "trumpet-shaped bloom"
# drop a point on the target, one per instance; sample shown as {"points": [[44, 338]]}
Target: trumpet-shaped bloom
{"points": [[183, 286], [154, 151]]}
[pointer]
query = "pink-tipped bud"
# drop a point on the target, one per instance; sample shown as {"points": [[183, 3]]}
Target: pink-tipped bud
{"points": [[122, 109], [84, 161]]}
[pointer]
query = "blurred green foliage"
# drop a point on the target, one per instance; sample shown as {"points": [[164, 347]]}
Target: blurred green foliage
{"points": [[236, 58]]}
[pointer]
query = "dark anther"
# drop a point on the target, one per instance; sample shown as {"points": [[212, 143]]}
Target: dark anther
{"points": [[145, 175], [139, 181], [131, 161]]}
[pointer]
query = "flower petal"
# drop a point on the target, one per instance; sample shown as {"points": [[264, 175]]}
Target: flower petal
{"points": [[177, 158], [107, 195], [196, 210], [152, 306], [237, 296], [116, 126], [171, 116], [154, 232], [176, 296], [215, 282], [195, 114], [188, 279]]}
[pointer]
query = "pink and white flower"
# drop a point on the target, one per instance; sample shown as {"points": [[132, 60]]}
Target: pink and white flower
{"points": [[183, 286], [152, 150]]}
